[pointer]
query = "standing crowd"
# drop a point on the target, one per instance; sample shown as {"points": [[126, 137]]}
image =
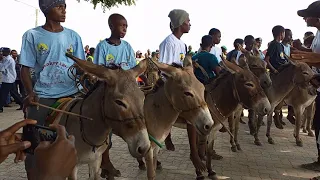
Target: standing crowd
{"points": [[40, 72]]}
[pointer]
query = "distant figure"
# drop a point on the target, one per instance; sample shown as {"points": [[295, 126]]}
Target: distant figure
{"points": [[190, 51], [224, 52], [90, 55]]}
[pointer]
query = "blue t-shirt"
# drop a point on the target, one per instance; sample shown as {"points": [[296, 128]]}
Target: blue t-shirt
{"points": [[121, 55], [209, 62], [45, 52]]}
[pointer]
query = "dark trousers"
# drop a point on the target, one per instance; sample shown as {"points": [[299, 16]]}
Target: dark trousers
{"points": [[4, 92], [19, 88], [316, 121]]}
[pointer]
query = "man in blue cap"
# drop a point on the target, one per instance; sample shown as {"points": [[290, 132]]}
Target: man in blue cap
{"points": [[43, 48]]}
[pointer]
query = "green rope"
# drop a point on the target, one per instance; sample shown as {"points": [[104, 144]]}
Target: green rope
{"points": [[155, 141]]}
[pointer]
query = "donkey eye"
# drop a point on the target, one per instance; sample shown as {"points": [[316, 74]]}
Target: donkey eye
{"points": [[120, 103], [188, 94], [249, 84]]}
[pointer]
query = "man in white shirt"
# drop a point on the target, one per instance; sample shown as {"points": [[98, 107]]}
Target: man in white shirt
{"points": [[216, 39], [311, 15], [172, 49], [9, 75]]}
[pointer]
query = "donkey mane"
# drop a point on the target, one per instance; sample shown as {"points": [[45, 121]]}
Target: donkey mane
{"points": [[157, 86], [221, 77], [284, 66]]}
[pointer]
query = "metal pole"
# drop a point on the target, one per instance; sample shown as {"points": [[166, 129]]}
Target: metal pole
{"points": [[37, 12]]}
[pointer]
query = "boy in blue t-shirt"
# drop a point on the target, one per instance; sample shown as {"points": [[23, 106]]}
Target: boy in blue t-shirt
{"points": [[207, 61], [275, 56], [113, 50], [43, 49]]}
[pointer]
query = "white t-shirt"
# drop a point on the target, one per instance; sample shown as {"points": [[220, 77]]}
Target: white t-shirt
{"points": [[215, 50], [172, 50], [315, 46]]}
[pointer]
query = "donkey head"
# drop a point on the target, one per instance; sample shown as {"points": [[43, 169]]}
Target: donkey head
{"points": [[303, 74], [121, 102], [186, 95], [257, 67], [248, 90]]}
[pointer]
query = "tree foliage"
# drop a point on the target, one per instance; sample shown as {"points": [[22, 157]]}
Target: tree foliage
{"points": [[107, 4]]}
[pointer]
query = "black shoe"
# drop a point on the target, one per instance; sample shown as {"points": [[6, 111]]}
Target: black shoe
{"points": [[7, 105], [20, 108], [1, 110]]}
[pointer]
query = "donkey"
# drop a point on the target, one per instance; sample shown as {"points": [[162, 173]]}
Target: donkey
{"points": [[258, 68], [223, 96], [119, 108], [291, 76], [180, 95]]}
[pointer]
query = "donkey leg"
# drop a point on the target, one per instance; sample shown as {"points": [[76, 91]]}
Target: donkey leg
{"points": [[202, 142], [107, 168], [309, 114], [231, 121], [74, 174], [256, 135], [194, 156], [298, 113], [169, 144], [236, 132], [142, 165], [269, 123], [94, 168], [304, 121], [151, 173], [211, 173], [252, 122], [277, 121]]}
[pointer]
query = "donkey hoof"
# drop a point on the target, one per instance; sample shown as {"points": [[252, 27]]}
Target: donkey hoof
{"points": [[304, 130], [262, 123], [201, 177], [142, 167], [104, 173], [279, 125], [234, 149], [258, 143], [217, 157], [311, 134], [283, 123], [159, 167], [238, 147], [270, 141], [299, 143], [212, 175]]}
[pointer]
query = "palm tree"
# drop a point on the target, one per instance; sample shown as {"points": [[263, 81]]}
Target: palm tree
{"points": [[107, 4]]}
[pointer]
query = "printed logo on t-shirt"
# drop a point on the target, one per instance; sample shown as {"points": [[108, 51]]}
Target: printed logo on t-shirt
{"points": [[181, 56], [70, 50], [42, 48], [109, 57], [281, 55]]}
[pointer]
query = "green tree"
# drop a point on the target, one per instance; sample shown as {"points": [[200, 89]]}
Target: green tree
{"points": [[107, 4]]}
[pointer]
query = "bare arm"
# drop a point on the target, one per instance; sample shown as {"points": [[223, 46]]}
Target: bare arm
{"points": [[26, 79], [267, 59]]}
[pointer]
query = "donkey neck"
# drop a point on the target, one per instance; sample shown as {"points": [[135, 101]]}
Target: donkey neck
{"points": [[97, 130], [223, 96], [159, 113], [282, 84]]}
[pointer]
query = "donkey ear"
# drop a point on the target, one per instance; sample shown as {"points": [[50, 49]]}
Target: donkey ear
{"points": [[243, 62], [231, 66], [168, 70], [187, 62], [88, 67], [139, 69]]}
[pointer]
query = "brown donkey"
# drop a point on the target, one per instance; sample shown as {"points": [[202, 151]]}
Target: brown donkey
{"points": [[116, 103], [292, 77], [180, 95]]}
